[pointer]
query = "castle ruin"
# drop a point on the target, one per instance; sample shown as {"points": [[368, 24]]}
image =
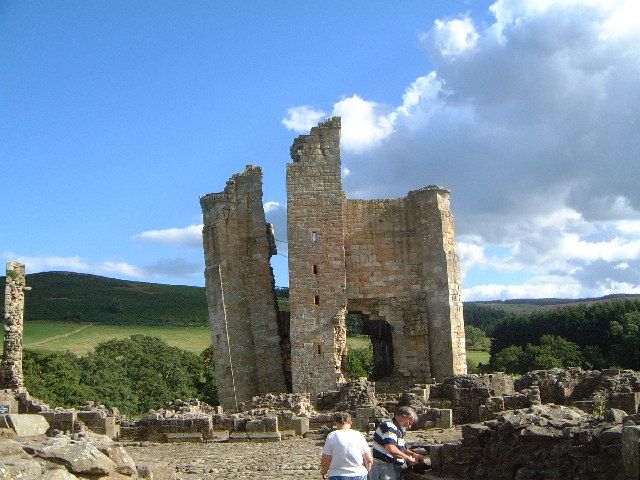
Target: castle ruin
{"points": [[391, 261]]}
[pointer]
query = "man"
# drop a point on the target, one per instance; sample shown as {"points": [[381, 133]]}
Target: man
{"points": [[390, 453]]}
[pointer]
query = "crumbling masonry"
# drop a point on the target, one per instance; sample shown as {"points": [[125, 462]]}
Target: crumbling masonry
{"points": [[394, 262], [11, 369]]}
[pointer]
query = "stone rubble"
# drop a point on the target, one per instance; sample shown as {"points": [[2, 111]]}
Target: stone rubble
{"points": [[84, 455]]}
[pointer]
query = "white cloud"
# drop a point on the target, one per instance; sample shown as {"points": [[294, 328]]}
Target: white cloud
{"points": [[363, 123], [300, 119], [271, 206], [532, 122], [190, 236], [549, 286], [622, 266], [453, 37], [45, 263], [168, 268], [628, 227]]}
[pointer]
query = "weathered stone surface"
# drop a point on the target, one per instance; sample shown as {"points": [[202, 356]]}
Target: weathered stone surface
{"points": [[242, 306], [11, 376], [11, 469], [58, 474], [9, 448], [613, 389], [541, 442], [77, 456], [124, 463], [630, 439], [27, 425], [614, 415], [156, 471]]}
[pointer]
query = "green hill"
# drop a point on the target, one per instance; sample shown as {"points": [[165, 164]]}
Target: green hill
{"points": [[84, 298], [79, 297]]}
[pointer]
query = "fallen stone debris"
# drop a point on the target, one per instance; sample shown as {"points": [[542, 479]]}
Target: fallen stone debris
{"points": [[66, 457]]}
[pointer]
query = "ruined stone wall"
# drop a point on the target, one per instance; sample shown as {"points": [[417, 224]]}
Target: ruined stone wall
{"points": [[441, 277], [11, 369], [392, 260], [316, 260], [402, 267], [243, 314]]}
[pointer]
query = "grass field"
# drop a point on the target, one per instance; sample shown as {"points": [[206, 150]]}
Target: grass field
{"points": [[81, 338], [477, 356]]}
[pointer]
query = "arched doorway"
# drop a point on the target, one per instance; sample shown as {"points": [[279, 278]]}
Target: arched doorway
{"points": [[380, 334]]}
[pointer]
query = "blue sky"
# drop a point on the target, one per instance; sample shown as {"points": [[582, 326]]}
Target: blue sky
{"points": [[116, 116]]}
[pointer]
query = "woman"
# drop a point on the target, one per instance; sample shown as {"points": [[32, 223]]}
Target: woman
{"points": [[346, 455]]}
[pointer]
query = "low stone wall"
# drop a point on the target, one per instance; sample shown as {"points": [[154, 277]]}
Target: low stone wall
{"points": [[586, 389], [542, 442]]}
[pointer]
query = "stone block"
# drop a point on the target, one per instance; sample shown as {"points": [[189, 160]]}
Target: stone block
{"points": [[629, 402], [182, 437], [300, 425], [264, 436], [63, 421], [26, 425], [444, 418], [631, 451], [8, 402], [264, 424]]}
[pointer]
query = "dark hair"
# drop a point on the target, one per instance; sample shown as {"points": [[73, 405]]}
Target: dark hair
{"points": [[405, 411], [342, 417]]}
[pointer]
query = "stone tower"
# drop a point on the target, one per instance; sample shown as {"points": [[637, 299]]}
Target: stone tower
{"points": [[317, 275], [392, 261], [11, 370], [238, 244]]}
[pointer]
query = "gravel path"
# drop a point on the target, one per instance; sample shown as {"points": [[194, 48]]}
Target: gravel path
{"points": [[293, 458], [288, 459]]}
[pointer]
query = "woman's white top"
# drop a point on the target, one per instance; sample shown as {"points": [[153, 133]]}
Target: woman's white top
{"points": [[347, 448]]}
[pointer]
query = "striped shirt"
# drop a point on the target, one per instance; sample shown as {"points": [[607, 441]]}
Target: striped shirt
{"points": [[388, 433]]}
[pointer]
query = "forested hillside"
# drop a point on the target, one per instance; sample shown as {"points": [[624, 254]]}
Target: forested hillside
{"points": [[79, 297], [601, 335]]}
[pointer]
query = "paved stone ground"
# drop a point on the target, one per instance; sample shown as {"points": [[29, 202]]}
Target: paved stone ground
{"points": [[294, 458]]}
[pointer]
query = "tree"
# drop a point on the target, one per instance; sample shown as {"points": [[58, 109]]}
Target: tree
{"points": [[476, 339], [133, 374], [55, 377], [553, 352], [624, 337], [509, 360], [359, 362]]}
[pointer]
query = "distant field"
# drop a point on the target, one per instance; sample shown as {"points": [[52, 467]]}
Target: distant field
{"points": [[40, 335], [358, 341], [477, 356]]}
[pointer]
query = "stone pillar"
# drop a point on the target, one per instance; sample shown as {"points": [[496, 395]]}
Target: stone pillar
{"points": [[11, 371], [441, 276], [243, 313], [317, 275]]}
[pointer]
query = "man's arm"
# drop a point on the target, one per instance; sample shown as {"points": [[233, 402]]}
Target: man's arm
{"points": [[399, 454], [325, 463], [415, 455]]}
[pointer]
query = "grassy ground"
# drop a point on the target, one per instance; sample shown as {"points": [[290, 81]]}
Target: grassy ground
{"points": [[81, 338], [39, 335], [358, 341], [477, 356]]}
